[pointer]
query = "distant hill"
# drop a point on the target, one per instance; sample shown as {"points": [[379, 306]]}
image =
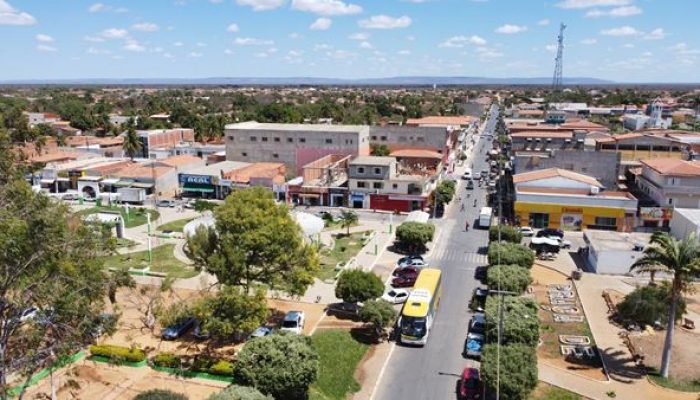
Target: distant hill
{"points": [[279, 81]]}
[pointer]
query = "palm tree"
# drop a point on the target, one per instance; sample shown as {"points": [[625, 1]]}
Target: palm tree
{"points": [[681, 259], [347, 219], [132, 142]]}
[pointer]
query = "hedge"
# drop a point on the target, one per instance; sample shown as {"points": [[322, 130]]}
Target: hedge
{"points": [[197, 364], [509, 278], [118, 353], [505, 253], [508, 234]]}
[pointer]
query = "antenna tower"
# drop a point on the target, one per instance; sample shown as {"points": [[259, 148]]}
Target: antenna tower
{"points": [[558, 80]]}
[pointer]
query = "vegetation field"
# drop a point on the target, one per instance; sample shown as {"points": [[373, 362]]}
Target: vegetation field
{"points": [[339, 355], [163, 261], [175, 226], [344, 248], [136, 216]]}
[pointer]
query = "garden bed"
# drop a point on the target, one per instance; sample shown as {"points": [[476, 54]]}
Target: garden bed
{"points": [[164, 261], [344, 249], [340, 354], [136, 216]]}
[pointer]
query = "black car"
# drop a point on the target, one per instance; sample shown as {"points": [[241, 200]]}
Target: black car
{"points": [[550, 232], [481, 273], [470, 185], [199, 333], [180, 328]]}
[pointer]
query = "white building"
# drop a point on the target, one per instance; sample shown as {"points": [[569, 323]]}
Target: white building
{"points": [[685, 221], [614, 252]]}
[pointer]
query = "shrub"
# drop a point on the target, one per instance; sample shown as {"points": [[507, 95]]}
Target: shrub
{"points": [[355, 286], [505, 253], [510, 278], [160, 394], [221, 367], [520, 322], [518, 370], [237, 392], [508, 234], [444, 192], [167, 360], [413, 236], [118, 353], [379, 313], [648, 304]]}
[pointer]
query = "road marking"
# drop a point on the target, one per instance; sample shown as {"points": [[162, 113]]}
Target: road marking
{"points": [[381, 372]]}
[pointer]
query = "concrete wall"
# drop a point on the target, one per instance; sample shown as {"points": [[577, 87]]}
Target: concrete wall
{"points": [[682, 226], [409, 137], [555, 182], [614, 262], [592, 163], [685, 191]]}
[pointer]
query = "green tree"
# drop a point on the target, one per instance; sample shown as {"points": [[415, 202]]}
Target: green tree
{"points": [[237, 392], [254, 241], [203, 205], [681, 259], [518, 370], [648, 304], [347, 219], [132, 142], [381, 150], [413, 236], [508, 234], [160, 394], [444, 192], [520, 323], [510, 253], [230, 311], [282, 366], [357, 286], [49, 260], [380, 314], [510, 278]]}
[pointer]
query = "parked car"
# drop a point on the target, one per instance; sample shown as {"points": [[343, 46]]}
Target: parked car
{"points": [[470, 185], [470, 385], [396, 296], [409, 269], [189, 204], [547, 232], [467, 174], [477, 324], [166, 203], [199, 333], [178, 329], [526, 231], [481, 273], [405, 280], [412, 261], [473, 345], [484, 173], [293, 322], [409, 258], [563, 243], [261, 331]]}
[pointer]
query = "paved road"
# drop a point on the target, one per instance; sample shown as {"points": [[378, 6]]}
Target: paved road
{"points": [[432, 372]]}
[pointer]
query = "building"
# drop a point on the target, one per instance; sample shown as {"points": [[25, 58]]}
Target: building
{"points": [[636, 122], [180, 163], [268, 175], [115, 119], [570, 125], [685, 221], [208, 181], [613, 252], [558, 198], [110, 146], [449, 122], [324, 182], [642, 145], [602, 166], [36, 118], [435, 138], [160, 180], [376, 183], [295, 145], [671, 182], [159, 138]]}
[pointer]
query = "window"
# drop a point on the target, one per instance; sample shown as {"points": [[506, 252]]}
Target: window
{"points": [[253, 139], [394, 186], [244, 154], [539, 220], [670, 201], [420, 139], [277, 139], [377, 171], [360, 170], [230, 138], [329, 141], [605, 221], [374, 138], [361, 184], [302, 140], [377, 185], [264, 139], [290, 140], [275, 155], [383, 138]]}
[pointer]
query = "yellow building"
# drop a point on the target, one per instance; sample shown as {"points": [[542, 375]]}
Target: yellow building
{"points": [[557, 198]]}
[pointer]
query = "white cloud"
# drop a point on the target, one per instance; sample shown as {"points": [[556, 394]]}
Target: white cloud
{"points": [[11, 16], [579, 4], [44, 38], [341, 54], [101, 7], [626, 11], [96, 51], [359, 36], [295, 35], [656, 34], [229, 52], [326, 7], [589, 41], [683, 49], [461, 41], [168, 55], [366, 45], [145, 27], [114, 33], [158, 49], [321, 24], [485, 53], [262, 5], [628, 46], [551, 48], [509, 29], [216, 1], [261, 54], [200, 44], [543, 22], [132, 45], [232, 28], [410, 38], [248, 41], [194, 54], [404, 52], [178, 44], [385, 22], [94, 39], [46, 48], [322, 46], [622, 31]]}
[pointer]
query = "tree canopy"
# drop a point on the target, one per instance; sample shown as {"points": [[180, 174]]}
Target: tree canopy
{"points": [[508, 234], [648, 304], [445, 191], [505, 253], [160, 394], [378, 313], [356, 286], [518, 370], [413, 236], [237, 392], [520, 321], [231, 311], [510, 278]]}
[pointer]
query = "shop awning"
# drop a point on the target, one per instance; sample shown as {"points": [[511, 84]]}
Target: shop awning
{"points": [[309, 195], [110, 181], [48, 180], [142, 185], [190, 188], [124, 183]]}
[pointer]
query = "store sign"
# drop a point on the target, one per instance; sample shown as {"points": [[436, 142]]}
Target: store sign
{"points": [[195, 179], [568, 210], [655, 213]]}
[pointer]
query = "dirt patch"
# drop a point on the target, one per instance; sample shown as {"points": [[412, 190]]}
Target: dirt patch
{"points": [[685, 356], [313, 312], [549, 351], [338, 322], [693, 299]]}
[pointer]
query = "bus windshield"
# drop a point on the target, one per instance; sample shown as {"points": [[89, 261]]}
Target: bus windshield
{"points": [[413, 326]]}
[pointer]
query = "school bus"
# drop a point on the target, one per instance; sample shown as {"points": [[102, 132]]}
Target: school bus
{"points": [[418, 312]]}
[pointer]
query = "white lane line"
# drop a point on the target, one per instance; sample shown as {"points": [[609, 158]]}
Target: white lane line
{"points": [[381, 372]]}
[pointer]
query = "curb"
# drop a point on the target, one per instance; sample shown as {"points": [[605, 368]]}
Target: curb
{"points": [[548, 365]]}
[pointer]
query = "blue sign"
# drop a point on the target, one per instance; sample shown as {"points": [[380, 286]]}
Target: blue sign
{"points": [[195, 179]]}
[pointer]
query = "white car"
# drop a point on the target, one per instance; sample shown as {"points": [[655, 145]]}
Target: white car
{"points": [[414, 262], [467, 174], [396, 296], [563, 243], [293, 322], [526, 231]]}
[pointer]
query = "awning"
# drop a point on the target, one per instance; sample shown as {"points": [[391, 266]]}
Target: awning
{"points": [[309, 195], [48, 181], [110, 181], [142, 185], [124, 183], [188, 188]]}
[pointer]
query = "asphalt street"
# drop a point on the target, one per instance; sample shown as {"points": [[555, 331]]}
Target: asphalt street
{"points": [[432, 372]]}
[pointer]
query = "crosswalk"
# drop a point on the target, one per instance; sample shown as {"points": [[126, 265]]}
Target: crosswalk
{"points": [[442, 255]]}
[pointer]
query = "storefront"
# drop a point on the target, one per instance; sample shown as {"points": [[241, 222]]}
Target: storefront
{"points": [[357, 200], [571, 218], [204, 186], [395, 202]]}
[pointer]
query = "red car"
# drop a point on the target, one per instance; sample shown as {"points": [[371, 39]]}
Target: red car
{"points": [[404, 280], [469, 385], [400, 271]]}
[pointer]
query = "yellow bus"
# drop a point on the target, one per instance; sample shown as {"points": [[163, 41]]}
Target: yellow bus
{"points": [[418, 312]]}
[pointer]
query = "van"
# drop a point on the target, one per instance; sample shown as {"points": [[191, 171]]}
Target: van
{"points": [[293, 322]]}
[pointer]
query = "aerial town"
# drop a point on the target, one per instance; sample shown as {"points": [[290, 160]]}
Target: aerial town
{"points": [[424, 237]]}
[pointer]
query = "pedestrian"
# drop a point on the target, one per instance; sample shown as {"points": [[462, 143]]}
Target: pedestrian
{"points": [[466, 226]]}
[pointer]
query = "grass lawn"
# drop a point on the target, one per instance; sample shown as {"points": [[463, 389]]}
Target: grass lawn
{"points": [[339, 356], [135, 217], [345, 248], [175, 226], [681, 386], [163, 261], [546, 391]]}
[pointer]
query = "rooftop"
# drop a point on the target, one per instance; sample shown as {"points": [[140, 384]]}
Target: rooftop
{"points": [[615, 241], [373, 160], [254, 125], [54, 157], [554, 173], [577, 192], [440, 120], [256, 170], [143, 171], [416, 153], [181, 160], [692, 214], [216, 169], [565, 134], [671, 166]]}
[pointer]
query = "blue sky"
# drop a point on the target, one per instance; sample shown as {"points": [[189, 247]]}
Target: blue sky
{"points": [[622, 40]]}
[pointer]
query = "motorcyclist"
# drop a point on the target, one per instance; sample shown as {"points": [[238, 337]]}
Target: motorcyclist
{"points": [[474, 202]]}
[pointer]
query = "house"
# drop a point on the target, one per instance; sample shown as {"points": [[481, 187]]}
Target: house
{"points": [[324, 182], [160, 138], [671, 182], [613, 252], [208, 181]]}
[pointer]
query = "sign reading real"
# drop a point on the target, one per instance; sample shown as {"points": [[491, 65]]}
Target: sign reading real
{"points": [[195, 179]]}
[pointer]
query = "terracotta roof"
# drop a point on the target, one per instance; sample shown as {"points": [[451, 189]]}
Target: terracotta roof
{"points": [[182, 159], [583, 125], [256, 170], [416, 153], [553, 173], [671, 166], [54, 157], [440, 120], [82, 140], [141, 171], [544, 134], [605, 193]]}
